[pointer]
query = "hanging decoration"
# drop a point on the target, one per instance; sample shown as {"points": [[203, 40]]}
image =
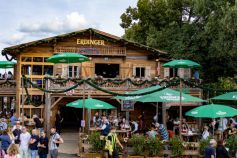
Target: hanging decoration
{"points": [[98, 83], [7, 82]]}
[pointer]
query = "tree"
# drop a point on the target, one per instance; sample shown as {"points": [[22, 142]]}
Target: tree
{"points": [[201, 30]]}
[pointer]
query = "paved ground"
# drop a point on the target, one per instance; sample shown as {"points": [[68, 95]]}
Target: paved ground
{"points": [[69, 148], [67, 156]]}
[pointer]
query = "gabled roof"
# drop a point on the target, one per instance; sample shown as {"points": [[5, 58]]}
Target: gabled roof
{"points": [[17, 48]]}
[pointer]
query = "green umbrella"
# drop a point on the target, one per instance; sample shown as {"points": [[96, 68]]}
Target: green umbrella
{"points": [[167, 95], [144, 90], [182, 64], [91, 104], [227, 96], [7, 64], [67, 58], [212, 111]]}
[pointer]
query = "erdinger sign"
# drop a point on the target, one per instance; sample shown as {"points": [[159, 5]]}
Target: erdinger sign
{"points": [[90, 42]]}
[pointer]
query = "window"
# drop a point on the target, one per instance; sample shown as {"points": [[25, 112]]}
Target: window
{"points": [[36, 111], [26, 59], [37, 59], [140, 72], [45, 59], [107, 70], [37, 99], [26, 70], [73, 71], [38, 82], [37, 70], [173, 72], [48, 70]]}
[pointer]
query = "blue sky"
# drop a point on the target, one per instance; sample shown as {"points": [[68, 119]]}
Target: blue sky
{"points": [[26, 20]]}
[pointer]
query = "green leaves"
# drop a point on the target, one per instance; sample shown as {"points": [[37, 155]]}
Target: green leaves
{"points": [[97, 145], [201, 30], [138, 144]]}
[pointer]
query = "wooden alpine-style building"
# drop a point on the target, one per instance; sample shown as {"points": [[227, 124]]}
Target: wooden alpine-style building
{"points": [[110, 57]]}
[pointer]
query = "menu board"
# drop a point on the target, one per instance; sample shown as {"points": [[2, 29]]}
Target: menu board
{"points": [[127, 105]]}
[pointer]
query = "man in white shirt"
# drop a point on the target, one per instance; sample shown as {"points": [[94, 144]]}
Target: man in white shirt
{"points": [[105, 127], [24, 143], [54, 142], [233, 120], [205, 133], [135, 125], [222, 124]]}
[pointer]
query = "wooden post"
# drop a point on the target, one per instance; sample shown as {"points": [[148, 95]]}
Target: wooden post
{"points": [[164, 114], [180, 107], [47, 109], [22, 101]]}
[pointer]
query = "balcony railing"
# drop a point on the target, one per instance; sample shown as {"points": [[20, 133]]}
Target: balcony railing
{"points": [[96, 51], [7, 87], [119, 88]]}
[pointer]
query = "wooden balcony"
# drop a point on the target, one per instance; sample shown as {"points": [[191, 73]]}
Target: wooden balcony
{"points": [[7, 87], [94, 51], [121, 88]]}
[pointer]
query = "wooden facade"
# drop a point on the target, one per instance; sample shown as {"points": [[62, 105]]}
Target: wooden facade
{"points": [[116, 56]]}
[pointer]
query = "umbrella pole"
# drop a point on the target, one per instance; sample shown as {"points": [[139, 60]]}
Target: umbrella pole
{"points": [[180, 107], [83, 107], [157, 111]]}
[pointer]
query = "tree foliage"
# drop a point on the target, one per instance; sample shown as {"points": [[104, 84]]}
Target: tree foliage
{"points": [[201, 30]]}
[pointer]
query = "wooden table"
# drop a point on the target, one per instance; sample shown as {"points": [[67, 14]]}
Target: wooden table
{"points": [[188, 136], [93, 129], [123, 133]]}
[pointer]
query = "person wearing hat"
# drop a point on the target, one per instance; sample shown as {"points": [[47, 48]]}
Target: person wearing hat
{"points": [[210, 151], [111, 143]]}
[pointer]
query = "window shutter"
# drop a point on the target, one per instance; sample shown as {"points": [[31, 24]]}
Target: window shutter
{"points": [[65, 71], [148, 72], [166, 72], [134, 71]]}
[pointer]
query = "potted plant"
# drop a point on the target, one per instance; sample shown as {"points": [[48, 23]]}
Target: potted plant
{"points": [[96, 146], [203, 144], [138, 145], [177, 147], [231, 143], [153, 147]]}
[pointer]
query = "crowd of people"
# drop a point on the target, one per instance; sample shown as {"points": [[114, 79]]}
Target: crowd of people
{"points": [[105, 124], [6, 76], [18, 141]]}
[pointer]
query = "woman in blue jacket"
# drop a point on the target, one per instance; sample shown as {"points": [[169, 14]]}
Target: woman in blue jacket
{"points": [[5, 141]]}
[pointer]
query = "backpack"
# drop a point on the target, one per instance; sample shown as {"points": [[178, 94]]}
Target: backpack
{"points": [[105, 132]]}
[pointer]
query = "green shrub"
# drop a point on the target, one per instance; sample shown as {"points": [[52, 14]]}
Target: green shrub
{"points": [[231, 143], [176, 145], [138, 144], [203, 144], [153, 146], [97, 145]]}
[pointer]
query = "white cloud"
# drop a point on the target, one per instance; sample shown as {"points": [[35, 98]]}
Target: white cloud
{"points": [[13, 39], [71, 22]]}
